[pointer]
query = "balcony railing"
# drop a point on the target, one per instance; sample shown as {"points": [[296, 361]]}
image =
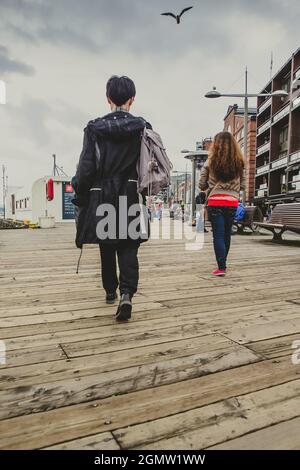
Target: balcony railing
{"points": [[264, 127], [296, 102], [295, 157], [263, 148], [297, 73], [281, 162], [265, 105], [281, 114], [262, 169]]}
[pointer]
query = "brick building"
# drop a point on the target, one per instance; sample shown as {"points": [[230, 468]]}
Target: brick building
{"points": [[234, 123], [278, 138]]}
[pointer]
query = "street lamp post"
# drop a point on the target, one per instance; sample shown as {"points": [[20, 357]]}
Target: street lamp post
{"points": [[216, 94]]}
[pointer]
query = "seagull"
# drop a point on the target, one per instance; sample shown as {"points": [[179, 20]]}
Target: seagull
{"points": [[177, 17]]}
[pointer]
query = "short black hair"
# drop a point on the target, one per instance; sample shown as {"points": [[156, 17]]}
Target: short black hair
{"points": [[120, 89]]}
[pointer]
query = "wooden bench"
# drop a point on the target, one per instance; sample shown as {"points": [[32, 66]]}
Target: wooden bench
{"points": [[284, 217], [253, 215]]}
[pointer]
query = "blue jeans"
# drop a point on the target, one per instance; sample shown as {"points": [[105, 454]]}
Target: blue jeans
{"points": [[221, 219]]}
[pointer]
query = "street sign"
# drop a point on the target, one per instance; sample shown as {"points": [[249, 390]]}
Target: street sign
{"points": [[68, 208]]}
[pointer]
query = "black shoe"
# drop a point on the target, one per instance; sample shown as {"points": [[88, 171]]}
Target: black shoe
{"points": [[124, 309], [111, 298]]}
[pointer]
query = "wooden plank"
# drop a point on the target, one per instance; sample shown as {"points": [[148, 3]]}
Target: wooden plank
{"points": [[275, 347], [45, 323], [51, 427], [103, 441], [140, 302], [115, 336], [196, 293], [285, 293], [255, 270], [33, 283], [30, 355], [47, 395], [208, 314], [261, 332], [281, 436], [168, 354], [206, 426], [194, 325], [97, 364]]}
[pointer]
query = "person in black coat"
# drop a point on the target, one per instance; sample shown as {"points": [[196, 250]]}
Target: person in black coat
{"points": [[110, 211]]}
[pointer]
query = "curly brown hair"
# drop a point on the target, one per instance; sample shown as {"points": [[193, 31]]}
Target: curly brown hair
{"points": [[225, 157]]}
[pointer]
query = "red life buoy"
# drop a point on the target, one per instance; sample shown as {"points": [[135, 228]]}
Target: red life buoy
{"points": [[50, 190]]}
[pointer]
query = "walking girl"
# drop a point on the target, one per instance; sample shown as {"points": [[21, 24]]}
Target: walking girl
{"points": [[222, 177]]}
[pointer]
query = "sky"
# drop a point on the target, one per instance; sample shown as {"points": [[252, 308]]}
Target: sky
{"points": [[57, 55]]}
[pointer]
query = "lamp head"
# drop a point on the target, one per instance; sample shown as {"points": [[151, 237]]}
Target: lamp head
{"points": [[213, 94], [280, 93]]}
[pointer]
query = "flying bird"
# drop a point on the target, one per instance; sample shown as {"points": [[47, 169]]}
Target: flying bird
{"points": [[177, 17]]}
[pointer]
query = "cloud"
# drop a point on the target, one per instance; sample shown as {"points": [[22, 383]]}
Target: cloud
{"points": [[36, 121], [29, 120], [75, 45], [8, 65], [137, 24]]}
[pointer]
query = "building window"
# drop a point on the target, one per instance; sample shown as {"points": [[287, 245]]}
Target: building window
{"points": [[283, 140]]}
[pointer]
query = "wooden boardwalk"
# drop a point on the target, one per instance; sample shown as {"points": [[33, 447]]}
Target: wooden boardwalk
{"points": [[205, 363]]}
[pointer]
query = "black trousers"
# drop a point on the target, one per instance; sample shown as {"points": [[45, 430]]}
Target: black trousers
{"points": [[127, 252]]}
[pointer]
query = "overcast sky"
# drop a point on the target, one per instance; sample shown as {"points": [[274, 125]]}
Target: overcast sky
{"points": [[56, 56]]}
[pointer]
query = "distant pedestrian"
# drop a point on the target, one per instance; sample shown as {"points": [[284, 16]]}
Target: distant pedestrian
{"points": [[222, 177], [182, 210], [150, 208], [159, 210]]}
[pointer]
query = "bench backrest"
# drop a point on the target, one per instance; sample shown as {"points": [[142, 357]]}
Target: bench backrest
{"points": [[286, 214]]}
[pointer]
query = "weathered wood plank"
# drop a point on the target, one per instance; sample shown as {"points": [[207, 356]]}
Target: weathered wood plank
{"points": [[208, 314], [281, 436], [79, 389], [30, 355], [206, 426], [275, 347], [106, 362], [72, 351], [104, 441], [260, 332], [51, 427]]}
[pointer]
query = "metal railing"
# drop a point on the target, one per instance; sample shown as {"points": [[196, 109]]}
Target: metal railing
{"points": [[263, 148], [262, 169], [265, 105], [281, 114], [264, 127]]}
